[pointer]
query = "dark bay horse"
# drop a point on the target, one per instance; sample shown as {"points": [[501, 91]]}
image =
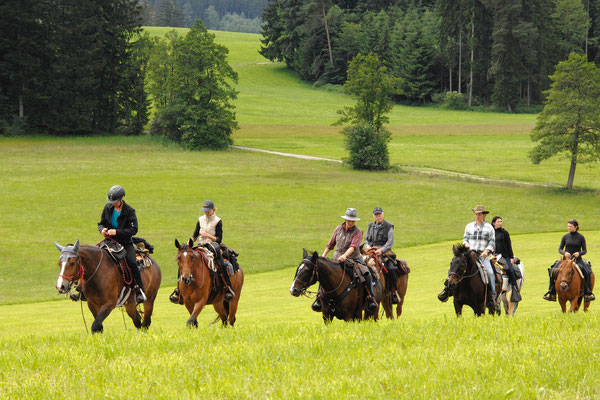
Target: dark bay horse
{"points": [[198, 285], [464, 279], [401, 284], [103, 284], [341, 295], [569, 286]]}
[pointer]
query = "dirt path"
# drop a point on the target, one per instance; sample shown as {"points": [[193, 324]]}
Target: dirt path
{"points": [[418, 170]]}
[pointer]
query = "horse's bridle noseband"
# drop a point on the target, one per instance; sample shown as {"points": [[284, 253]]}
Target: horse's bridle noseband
{"points": [[314, 277]]}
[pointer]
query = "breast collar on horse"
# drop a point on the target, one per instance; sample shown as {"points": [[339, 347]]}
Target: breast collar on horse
{"points": [[325, 296]]}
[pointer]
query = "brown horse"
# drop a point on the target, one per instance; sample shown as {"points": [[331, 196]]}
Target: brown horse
{"points": [[373, 260], [199, 285], [342, 296], [103, 283], [569, 286]]}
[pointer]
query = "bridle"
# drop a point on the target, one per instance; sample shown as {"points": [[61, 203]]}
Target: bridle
{"points": [[315, 277], [461, 276], [197, 253], [569, 274], [79, 274]]}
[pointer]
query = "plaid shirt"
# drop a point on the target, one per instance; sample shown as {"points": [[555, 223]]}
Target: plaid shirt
{"points": [[480, 238], [356, 239]]}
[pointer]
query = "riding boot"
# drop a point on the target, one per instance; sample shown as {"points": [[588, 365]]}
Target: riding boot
{"points": [[392, 282], [445, 294], [551, 293], [371, 303], [140, 296], [588, 296], [77, 294], [175, 297], [317, 306]]}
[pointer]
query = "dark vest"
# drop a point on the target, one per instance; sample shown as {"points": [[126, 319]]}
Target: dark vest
{"points": [[343, 239], [378, 237]]}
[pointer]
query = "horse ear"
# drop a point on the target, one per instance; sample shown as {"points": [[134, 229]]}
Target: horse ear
{"points": [[177, 243], [59, 247], [190, 243], [314, 257], [76, 247], [304, 253]]}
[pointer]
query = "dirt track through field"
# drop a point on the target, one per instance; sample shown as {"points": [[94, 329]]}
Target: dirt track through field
{"points": [[416, 170]]}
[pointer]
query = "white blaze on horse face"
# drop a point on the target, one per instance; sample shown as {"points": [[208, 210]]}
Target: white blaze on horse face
{"points": [[185, 253], [59, 282]]}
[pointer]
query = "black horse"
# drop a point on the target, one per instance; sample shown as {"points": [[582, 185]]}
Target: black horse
{"points": [[466, 283], [343, 297]]}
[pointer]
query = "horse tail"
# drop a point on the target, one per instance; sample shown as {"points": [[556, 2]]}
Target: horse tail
{"points": [[216, 319]]}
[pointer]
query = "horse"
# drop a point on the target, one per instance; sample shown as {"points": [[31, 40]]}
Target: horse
{"points": [[510, 307], [465, 280], [103, 284], [198, 285], [401, 284], [342, 296], [569, 286]]}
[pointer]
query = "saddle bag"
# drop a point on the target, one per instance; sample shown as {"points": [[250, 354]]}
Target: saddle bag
{"points": [[137, 241], [116, 250]]}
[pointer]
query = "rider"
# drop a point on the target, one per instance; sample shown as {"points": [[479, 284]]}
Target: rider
{"points": [[479, 237], [347, 237], [119, 223], [209, 232], [504, 248], [380, 235], [573, 245]]}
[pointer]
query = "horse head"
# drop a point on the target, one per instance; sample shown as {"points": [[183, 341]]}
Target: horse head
{"points": [[70, 268], [565, 273], [458, 264], [306, 273], [186, 257]]}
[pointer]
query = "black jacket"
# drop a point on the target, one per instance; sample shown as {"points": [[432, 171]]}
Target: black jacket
{"points": [[127, 223], [503, 244]]}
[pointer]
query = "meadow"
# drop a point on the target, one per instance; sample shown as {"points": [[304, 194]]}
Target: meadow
{"points": [[53, 189]]}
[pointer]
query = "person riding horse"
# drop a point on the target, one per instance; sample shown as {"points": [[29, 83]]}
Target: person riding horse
{"points": [[504, 248], [573, 245], [380, 236], [119, 223], [347, 237], [209, 233], [480, 237]]}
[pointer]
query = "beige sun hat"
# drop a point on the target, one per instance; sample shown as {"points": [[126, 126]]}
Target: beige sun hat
{"points": [[480, 209]]}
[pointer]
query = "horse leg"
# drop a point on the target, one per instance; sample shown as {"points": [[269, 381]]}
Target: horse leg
{"points": [[233, 305], [133, 314], [219, 307], [193, 319], [457, 308], [386, 302], [563, 303], [100, 317]]}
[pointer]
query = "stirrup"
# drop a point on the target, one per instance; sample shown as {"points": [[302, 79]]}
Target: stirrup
{"points": [[589, 297], [77, 296], [394, 298], [317, 306], [229, 293], [371, 304], [550, 296], [140, 296], [175, 297]]}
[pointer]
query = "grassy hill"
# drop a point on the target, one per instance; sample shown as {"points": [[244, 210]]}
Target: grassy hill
{"points": [[53, 189]]}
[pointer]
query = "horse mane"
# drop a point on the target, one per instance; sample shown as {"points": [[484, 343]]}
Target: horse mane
{"points": [[460, 249]]}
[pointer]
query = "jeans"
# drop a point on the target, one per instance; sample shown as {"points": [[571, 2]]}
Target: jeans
{"points": [[490, 274]]}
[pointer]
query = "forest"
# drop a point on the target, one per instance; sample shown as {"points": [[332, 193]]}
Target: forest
{"points": [[467, 52]]}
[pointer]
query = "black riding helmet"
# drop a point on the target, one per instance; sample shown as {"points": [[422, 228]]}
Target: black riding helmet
{"points": [[115, 194]]}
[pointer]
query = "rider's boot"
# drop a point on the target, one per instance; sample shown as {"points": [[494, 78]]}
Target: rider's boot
{"points": [[175, 297], [551, 293], [444, 294], [371, 303], [589, 296], [392, 280], [140, 296], [317, 306], [227, 288], [77, 294]]}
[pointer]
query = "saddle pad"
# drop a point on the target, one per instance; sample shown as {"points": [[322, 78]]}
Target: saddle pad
{"points": [[482, 272]]}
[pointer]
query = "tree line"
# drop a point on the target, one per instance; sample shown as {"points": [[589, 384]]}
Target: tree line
{"points": [[498, 52], [228, 15], [84, 67]]}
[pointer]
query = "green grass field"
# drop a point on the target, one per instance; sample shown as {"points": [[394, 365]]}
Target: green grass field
{"points": [[53, 189]]}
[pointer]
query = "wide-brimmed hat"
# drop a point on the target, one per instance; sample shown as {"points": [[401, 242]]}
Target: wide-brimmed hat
{"points": [[351, 215], [207, 205], [480, 209]]}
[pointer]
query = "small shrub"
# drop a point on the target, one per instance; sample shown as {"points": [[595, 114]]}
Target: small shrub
{"points": [[454, 101], [367, 147], [17, 127]]}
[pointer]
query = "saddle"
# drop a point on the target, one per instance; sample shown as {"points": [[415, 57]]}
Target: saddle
{"points": [[142, 254], [389, 258], [115, 249]]}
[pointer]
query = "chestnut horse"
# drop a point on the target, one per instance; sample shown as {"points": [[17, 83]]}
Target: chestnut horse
{"points": [[569, 286], [464, 279], [199, 285], [103, 284], [401, 284], [341, 295]]}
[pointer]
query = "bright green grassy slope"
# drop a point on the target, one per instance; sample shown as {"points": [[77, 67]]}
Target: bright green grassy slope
{"points": [[279, 112], [54, 189]]}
